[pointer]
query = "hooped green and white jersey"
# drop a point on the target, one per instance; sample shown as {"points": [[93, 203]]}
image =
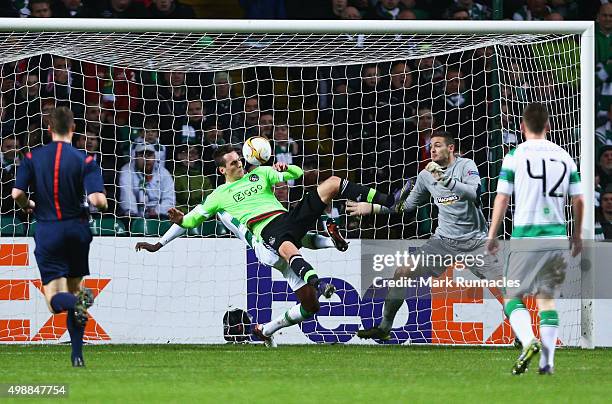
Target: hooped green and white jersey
{"points": [[542, 175]]}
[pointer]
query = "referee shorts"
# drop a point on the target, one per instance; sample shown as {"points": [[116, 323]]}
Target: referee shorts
{"points": [[62, 249]]}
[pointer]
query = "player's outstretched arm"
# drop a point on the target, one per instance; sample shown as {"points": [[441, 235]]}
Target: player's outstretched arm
{"points": [[360, 208], [175, 231]]}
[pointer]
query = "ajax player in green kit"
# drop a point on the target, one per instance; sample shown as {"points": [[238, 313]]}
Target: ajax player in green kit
{"points": [[250, 199]]}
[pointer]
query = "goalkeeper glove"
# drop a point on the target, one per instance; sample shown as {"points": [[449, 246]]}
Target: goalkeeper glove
{"points": [[438, 173]]}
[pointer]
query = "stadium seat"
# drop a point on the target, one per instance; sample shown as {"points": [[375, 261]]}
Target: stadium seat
{"points": [[11, 226], [107, 226], [149, 227]]}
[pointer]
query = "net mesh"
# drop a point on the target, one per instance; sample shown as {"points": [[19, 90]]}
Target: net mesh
{"points": [[214, 51], [360, 106]]}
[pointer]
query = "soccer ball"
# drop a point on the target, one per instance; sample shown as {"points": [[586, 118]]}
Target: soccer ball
{"points": [[256, 150]]}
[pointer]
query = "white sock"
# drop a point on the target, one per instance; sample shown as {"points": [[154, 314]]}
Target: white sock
{"points": [[314, 241], [294, 315], [521, 324], [548, 336]]}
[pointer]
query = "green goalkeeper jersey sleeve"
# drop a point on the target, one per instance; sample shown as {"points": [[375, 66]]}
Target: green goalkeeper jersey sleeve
{"points": [[250, 199]]}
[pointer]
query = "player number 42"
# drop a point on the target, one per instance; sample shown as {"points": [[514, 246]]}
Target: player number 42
{"points": [[553, 191]]}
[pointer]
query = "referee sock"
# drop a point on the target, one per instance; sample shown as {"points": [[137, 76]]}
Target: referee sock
{"points": [[63, 301], [360, 193], [76, 335], [294, 315], [394, 300], [303, 269]]}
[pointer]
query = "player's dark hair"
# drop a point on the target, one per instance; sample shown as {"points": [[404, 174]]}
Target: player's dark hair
{"points": [[535, 117], [61, 120], [448, 138], [219, 154]]}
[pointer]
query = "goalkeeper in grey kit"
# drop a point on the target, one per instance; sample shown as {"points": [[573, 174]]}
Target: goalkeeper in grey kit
{"points": [[454, 185]]}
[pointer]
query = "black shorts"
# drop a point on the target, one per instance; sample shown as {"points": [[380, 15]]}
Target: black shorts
{"points": [[293, 225], [62, 249]]}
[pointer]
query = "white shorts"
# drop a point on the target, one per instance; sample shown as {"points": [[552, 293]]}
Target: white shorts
{"points": [[269, 257], [538, 272]]}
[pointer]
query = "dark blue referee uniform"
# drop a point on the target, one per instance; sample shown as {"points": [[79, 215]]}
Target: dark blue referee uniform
{"points": [[59, 176]]}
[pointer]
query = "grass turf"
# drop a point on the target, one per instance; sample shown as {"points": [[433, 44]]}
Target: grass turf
{"points": [[315, 373]]}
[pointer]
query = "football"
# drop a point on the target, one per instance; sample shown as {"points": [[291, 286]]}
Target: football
{"points": [[257, 150]]}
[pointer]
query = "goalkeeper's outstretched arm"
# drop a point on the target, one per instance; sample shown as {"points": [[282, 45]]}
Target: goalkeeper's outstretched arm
{"points": [[408, 201]]}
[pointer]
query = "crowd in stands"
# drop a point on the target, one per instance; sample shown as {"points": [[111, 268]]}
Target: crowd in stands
{"points": [[154, 133], [96, 9], [526, 10]]}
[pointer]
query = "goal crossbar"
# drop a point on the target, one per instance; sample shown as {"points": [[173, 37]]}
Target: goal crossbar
{"points": [[297, 26]]}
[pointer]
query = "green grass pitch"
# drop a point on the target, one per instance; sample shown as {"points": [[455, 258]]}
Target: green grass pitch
{"points": [[313, 373]]}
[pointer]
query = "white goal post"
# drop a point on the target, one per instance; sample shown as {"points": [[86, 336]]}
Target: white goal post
{"points": [[223, 45]]}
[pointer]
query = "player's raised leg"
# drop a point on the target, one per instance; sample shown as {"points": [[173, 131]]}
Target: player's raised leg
{"points": [[337, 187]]}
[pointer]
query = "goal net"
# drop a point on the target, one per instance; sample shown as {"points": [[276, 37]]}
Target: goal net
{"points": [[151, 108]]}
